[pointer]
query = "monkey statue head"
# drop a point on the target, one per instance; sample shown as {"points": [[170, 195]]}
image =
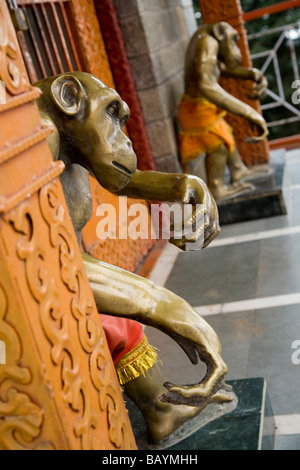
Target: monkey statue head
{"points": [[227, 37], [88, 119]]}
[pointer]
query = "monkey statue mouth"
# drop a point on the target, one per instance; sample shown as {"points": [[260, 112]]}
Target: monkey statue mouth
{"points": [[122, 169]]}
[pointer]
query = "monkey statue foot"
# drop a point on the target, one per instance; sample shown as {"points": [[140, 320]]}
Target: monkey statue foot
{"points": [[167, 424], [252, 173], [234, 189]]}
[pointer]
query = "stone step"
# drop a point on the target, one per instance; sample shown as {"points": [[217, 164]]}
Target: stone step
{"points": [[266, 200]]}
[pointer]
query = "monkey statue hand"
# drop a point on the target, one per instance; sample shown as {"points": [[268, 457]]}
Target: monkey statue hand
{"points": [[201, 227], [258, 123], [200, 342], [260, 89]]}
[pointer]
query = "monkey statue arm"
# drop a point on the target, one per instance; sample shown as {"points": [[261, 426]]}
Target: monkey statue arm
{"points": [[187, 189], [244, 73], [214, 93], [120, 293], [203, 82]]}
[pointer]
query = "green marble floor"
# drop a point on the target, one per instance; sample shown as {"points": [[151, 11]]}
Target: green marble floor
{"points": [[247, 286]]}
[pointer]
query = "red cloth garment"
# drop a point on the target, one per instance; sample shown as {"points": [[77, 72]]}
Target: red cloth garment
{"points": [[122, 335]]}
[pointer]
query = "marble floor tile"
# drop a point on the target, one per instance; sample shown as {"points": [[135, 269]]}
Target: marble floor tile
{"points": [[288, 442], [270, 356], [242, 228], [279, 269], [218, 275], [293, 214]]}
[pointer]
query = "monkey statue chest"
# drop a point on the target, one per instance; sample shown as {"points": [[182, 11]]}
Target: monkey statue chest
{"points": [[77, 191]]}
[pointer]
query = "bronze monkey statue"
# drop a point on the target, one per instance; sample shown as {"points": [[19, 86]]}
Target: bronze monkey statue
{"points": [[212, 53], [87, 119]]}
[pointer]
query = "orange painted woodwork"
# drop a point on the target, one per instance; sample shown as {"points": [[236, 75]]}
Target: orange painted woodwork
{"points": [[58, 388]]}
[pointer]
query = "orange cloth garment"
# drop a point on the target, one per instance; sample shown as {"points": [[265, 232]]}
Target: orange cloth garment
{"points": [[203, 128]]}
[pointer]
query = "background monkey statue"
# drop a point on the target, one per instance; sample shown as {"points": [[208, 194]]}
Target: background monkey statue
{"points": [[87, 119], [213, 52]]}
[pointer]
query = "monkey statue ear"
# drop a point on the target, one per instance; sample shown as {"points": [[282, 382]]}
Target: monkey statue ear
{"points": [[68, 94], [219, 31]]}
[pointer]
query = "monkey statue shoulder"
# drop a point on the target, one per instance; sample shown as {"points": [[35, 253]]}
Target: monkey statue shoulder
{"points": [[212, 53]]}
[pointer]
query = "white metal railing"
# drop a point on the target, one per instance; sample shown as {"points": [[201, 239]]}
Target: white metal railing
{"points": [[290, 33]]}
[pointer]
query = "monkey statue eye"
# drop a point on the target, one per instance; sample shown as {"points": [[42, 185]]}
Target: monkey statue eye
{"points": [[123, 120], [113, 109]]}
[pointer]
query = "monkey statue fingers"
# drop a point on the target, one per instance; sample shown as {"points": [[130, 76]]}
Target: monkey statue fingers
{"points": [[258, 123], [197, 229], [202, 227], [261, 86]]}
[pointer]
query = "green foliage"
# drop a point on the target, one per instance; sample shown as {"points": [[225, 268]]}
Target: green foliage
{"points": [[249, 5], [197, 11]]}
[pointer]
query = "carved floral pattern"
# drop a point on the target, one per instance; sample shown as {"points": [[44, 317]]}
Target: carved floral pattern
{"points": [[21, 419], [47, 308], [12, 70], [68, 350], [90, 334]]}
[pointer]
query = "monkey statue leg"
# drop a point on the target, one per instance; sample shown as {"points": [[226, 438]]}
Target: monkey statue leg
{"points": [[124, 294], [216, 162], [239, 171], [171, 412]]}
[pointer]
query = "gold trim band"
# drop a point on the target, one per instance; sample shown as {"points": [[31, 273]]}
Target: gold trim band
{"points": [[136, 362]]}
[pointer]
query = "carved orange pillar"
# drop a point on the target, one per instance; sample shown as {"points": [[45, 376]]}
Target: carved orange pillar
{"points": [[231, 12], [58, 388]]}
